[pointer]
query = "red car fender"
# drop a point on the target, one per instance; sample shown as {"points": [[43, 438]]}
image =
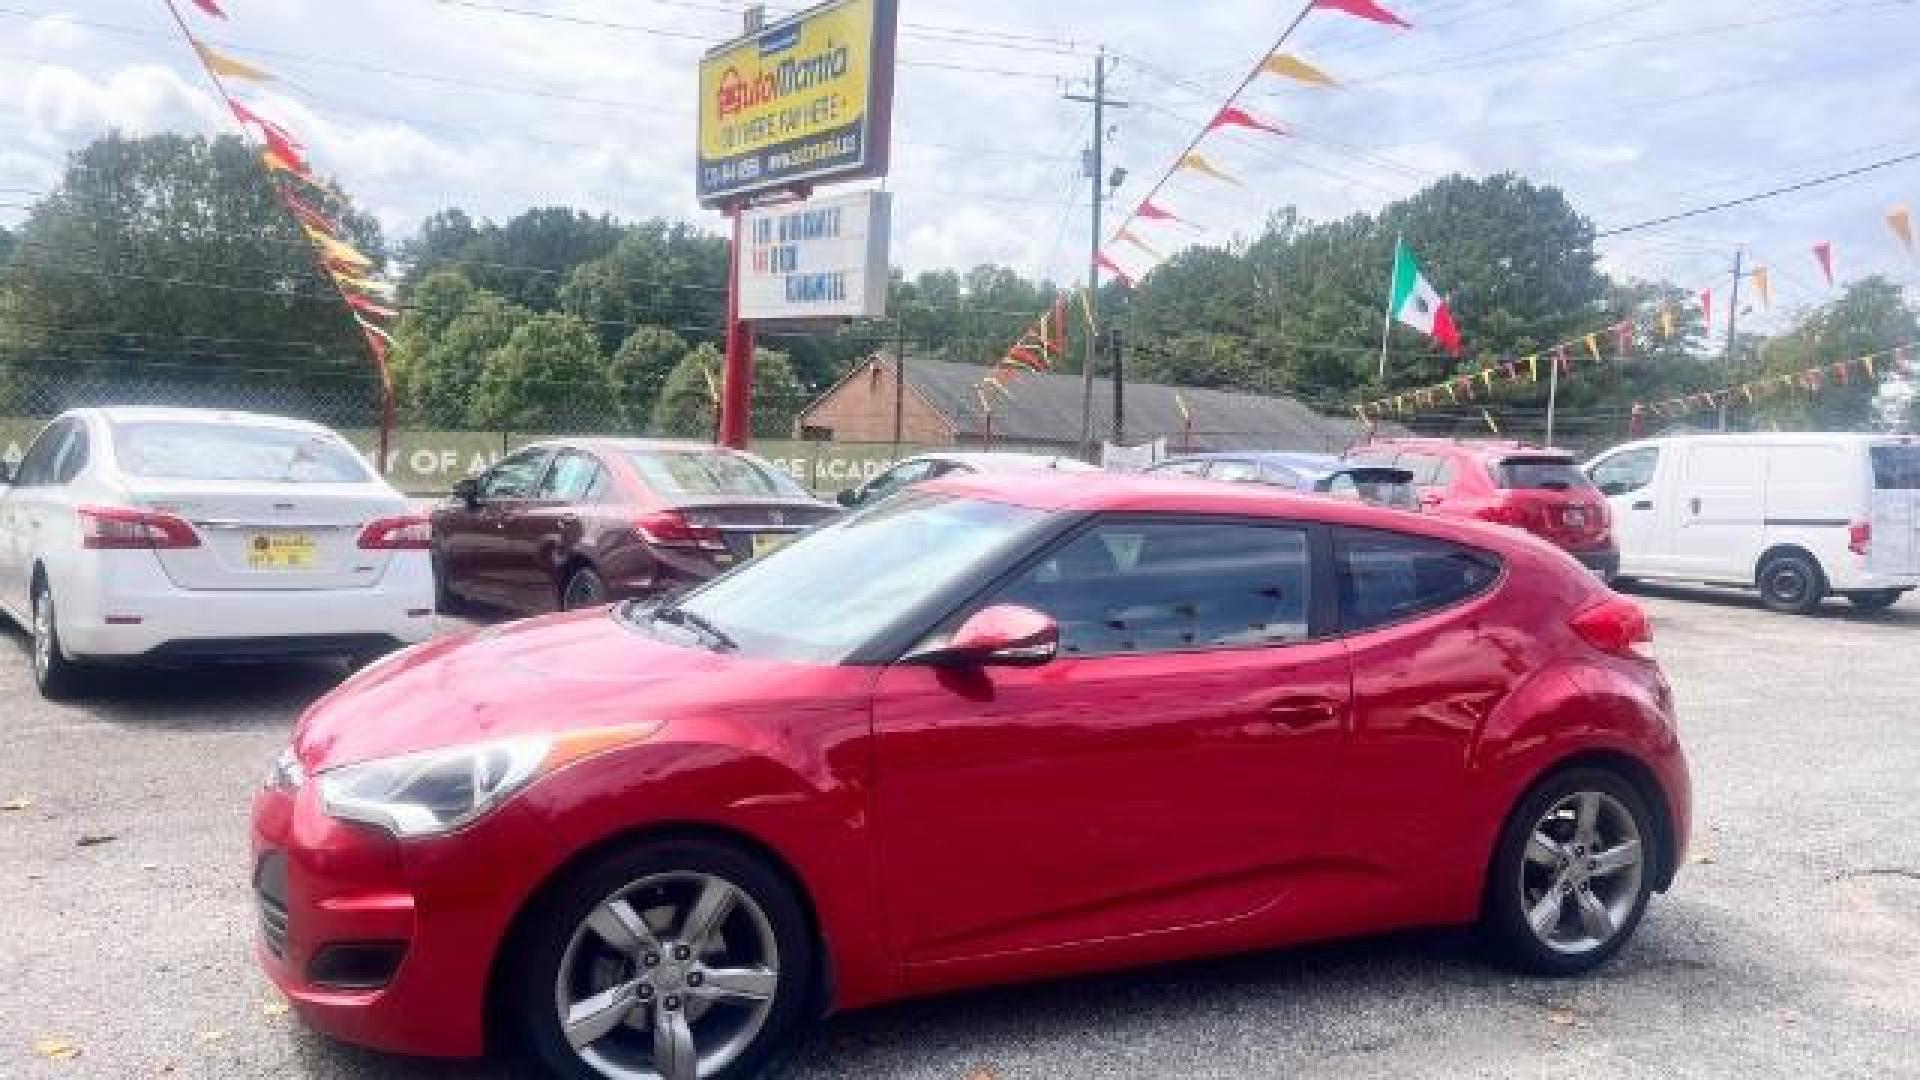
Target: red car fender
{"points": [[808, 817]]}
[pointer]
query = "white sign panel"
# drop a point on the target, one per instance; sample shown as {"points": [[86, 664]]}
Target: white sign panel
{"points": [[823, 258]]}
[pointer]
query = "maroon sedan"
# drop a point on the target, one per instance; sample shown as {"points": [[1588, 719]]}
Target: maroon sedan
{"points": [[576, 523]]}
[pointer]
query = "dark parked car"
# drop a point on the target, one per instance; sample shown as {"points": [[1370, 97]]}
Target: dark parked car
{"points": [[1322, 474], [1535, 488], [577, 523], [924, 467]]}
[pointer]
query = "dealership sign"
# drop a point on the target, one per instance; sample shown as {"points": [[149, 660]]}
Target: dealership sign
{"points": [[805, 100], [821, 258]]}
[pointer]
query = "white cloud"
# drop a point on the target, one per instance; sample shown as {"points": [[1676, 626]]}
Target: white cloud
{"points": [[61, 103]]}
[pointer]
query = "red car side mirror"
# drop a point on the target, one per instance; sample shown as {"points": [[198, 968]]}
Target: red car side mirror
{"points": [[1005, 635]]}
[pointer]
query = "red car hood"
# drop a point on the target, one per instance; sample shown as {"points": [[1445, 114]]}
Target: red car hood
{"points": [[574, 671]]}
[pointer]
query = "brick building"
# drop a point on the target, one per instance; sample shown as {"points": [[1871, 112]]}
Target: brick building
{"points": [[939, 406]]}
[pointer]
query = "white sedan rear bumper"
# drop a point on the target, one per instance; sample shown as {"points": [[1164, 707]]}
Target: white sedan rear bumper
{"points": [[128, 608]]}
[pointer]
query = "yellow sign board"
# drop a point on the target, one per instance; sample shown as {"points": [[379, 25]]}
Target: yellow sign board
{"points": [[804, 100]]}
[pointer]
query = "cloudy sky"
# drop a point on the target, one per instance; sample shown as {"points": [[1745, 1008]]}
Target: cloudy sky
{"points": [[1637, 108]]}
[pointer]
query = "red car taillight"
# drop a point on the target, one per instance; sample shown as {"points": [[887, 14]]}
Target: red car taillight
{"points": [[1615, 625], [1503, 514], [1860, 537], [671, 529], [119, 528], [413, 533]]}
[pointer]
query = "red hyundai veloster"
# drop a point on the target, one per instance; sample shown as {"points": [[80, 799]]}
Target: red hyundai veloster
{"points": [[993, 729]]}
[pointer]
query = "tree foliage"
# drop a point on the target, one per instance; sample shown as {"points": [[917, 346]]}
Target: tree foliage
{"points": [[687, 407], [527, 261], [1869, 317], [535, 381], [640, 369]]}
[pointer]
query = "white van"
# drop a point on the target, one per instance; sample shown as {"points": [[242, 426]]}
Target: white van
{"points": [[1799, 516]]}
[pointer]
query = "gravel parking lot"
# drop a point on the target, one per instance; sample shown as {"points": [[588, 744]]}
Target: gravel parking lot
{"points": [[1788, 948]]}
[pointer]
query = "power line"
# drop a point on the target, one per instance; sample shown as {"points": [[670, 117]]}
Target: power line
{"points": [[1745, 200]]}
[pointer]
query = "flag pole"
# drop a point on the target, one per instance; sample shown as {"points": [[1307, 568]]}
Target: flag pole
{"points": [[1553, 397], [1386, 321]]}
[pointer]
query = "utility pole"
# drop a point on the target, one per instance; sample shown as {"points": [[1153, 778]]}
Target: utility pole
{"points": [[1096, 174], [1733, 331]]}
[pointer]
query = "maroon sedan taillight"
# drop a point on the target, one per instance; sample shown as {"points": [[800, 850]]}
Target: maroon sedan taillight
{"points": [[671, 529]]}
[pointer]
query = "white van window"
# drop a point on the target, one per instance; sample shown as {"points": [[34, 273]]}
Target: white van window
{"points": [[1896, 468], [1628, 471]]}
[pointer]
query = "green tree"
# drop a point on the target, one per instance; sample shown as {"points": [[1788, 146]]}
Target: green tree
{"points": [[549, 376], [169, 257], [446, 342], [640, 369], [1871, 316], [6, 246], [527, 261], [686, 408], [659, 273]]}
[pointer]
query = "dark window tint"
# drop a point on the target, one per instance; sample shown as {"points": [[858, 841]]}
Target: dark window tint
{"points": [[72, 457], [1896, 468], [573, 477], [515, 476], [1627, 471], [37, 467], [689, 476], [1137, 586], [1389, 577], [1540, 474], [241, 453], [905, 474]]}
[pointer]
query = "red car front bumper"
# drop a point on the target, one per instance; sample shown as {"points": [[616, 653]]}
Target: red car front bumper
{"points": [[381, 944]]}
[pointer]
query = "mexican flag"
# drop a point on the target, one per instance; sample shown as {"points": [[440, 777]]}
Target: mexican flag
{"points": [[1415, 303]]}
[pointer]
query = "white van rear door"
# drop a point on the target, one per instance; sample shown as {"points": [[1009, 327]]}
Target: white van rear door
{"points": [[1896, 509]]}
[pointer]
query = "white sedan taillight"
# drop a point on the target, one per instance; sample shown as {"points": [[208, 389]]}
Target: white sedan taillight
{"points": [[119, 528], [413, 533]]}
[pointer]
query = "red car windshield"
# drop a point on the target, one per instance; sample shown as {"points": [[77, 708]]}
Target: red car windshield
{"points": [[837, 587]]}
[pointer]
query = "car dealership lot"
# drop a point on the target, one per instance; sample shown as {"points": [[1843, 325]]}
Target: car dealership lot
{"points": [[1786, 947]]}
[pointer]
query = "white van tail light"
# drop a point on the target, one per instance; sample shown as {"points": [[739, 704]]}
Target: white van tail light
{"points": [[413, 533], [1860, 537], [120, 528]]}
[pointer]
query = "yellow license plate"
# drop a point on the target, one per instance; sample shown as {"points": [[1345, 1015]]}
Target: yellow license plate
{"points": [[280, 551], [768, 543]]}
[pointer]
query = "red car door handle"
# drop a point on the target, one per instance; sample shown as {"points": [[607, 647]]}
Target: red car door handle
{"points": [[1303, 712]]}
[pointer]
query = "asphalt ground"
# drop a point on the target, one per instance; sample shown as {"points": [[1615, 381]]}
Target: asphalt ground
{"points": [[1790, 946]]}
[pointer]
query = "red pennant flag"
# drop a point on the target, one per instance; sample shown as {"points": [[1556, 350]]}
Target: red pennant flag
{"points": [[1365, 9], [1152, 211], [278, 141], [1823, 254], [366, 306], [1561, 360], [1623, 338], [1706, 307], [1900, 360], [1512, 372], [1232, 116], [210, 8], [310, 217], [1058, 344], [1106, 263], [1844, 372]]}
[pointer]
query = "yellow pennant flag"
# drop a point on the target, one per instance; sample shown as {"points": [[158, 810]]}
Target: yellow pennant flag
{"points": [[1196, 163], [1129, 236], [229, 68], [1180, 402], [1867, 362], [1289, 66], [1491, 426], [1086, 305], [337, 251], [279, 163], [1533, 368], [1486, 376], [1763, 283], [1593, 347], [1900, 220], [1666, 320]]}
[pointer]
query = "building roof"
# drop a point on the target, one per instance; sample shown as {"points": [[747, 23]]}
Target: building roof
{"points": [[1046, 408]]}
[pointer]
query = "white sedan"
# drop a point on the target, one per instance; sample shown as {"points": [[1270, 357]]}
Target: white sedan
{"points": [[172, 535]]}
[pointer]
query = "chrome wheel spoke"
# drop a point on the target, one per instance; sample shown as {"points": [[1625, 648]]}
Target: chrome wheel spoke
{"points": [[709, 911], [1544, 850], [1586, 819], [1594, 916], [1545, 914], [1622, 856], [673, 1054], [621, 927], [592, 1019], [751, 983]]}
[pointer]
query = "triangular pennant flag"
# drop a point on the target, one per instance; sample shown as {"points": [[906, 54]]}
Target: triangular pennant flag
{"points": [[1666, 320], [1106, 263], [1129, 237], [1593, 347], [1289, 66], [1486, 377], [1561, 361], [1747, 390], [1491, 426], [367, 286], [309, 217], [1843, 371], [1623, 339], [1900, 220], [273, 160], [1232, 116], [1057, 342], [1364, 9], [210, 8], [1152, 211], [379, 342], [1867, 362], [1533, 368], [369, 307], [337, 252], [980, 391], [276, 137], [1180, 403], [1763, 283], [1025, 357], [1823, 254], [1509, 369], [227, 67], [1193, 162], [1706, 307], [1901, 362]]}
